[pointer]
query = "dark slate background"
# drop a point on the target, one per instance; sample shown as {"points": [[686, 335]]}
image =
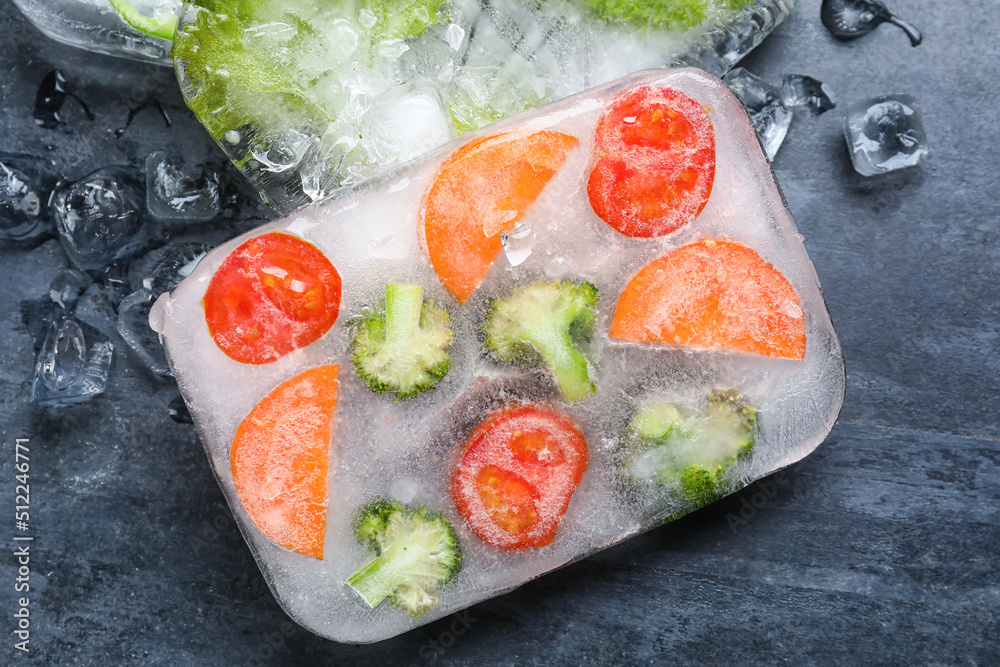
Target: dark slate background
{"points": [[881, 547]]}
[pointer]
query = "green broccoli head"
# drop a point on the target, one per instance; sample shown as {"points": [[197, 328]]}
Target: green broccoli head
{"points": [[543, 323], [690, 451], [401, 348], [416, 551]]}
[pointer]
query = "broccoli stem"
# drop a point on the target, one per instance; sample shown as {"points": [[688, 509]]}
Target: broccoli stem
{"points": [[568, 366], [371, 584], [382, 576], [403, 304]]}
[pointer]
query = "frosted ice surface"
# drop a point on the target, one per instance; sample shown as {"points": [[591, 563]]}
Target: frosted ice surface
{"points": [[764, 104], [72, 365], [884, 134], [407, 450]]}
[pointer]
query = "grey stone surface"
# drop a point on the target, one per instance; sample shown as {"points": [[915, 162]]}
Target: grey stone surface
{"points": [[882, 547]]}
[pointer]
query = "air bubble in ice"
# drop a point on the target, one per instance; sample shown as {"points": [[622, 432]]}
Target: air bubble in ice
{"points": [[99, 219], [800, 91], [174, 194], [517, 243], [763, 103], [884, 134], [66, 288], [72, 365], [133, 327], [850, 19]]}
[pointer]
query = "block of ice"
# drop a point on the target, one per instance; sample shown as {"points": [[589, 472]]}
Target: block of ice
{"points": [[884, 134], [96, 25], [339, 92], [655, 338]]}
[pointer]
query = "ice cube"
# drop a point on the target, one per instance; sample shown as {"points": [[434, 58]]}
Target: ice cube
{"points": [[884, 134], [429, 224], [72, 365], [764, 104], [99, 218], [850, 19], [133, 327], [67, 286], [178, 195], [173, 263], [800, 91], [25, 183]]}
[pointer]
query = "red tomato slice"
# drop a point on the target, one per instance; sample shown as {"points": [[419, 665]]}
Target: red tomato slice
{"points": [[654, 162], [273, 294], [713, 294], [517, 475], [280, 458], [481, 191]]}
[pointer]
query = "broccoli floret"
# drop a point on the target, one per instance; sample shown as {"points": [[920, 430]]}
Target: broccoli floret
{"points": [[400, 348], [691, 453], [670, 14], [416, 551], [543, 322]]}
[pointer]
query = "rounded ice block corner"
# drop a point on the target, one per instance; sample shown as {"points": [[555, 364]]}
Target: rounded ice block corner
{"points": [[710, 362]]}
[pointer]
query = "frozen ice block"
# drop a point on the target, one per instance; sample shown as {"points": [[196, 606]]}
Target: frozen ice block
{"points": [[663, 343], [98, 25], [306, 97]]}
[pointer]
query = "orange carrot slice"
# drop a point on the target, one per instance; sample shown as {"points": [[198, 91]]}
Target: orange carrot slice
{"points": [[713, 294], [480, 191], [280, 456]]}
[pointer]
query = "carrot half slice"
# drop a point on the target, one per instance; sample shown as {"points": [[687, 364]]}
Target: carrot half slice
{"points": [[481, 191], [713, 294], [280, 457]]}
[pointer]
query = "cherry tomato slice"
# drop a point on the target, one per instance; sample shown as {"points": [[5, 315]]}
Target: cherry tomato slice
{"points": [[654, 162], [713, 294], [273, 294], [517, 474]]}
